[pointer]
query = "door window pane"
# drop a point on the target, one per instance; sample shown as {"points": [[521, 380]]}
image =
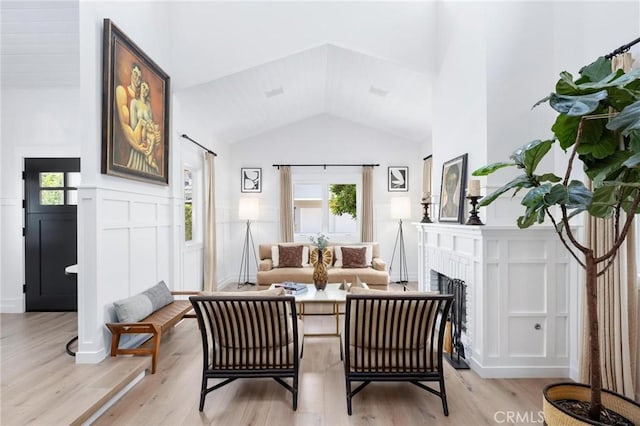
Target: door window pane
{"points": [[73, 179], [72, 197], [51, 180], [52, 197]]}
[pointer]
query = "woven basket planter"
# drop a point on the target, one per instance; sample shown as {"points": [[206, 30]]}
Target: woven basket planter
{"points": [[554, 415]]}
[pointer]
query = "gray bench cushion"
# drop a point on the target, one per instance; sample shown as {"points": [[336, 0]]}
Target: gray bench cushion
{"points": [[139, 306]]}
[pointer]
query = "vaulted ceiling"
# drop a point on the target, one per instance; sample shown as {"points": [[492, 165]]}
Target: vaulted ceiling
{"points": [[256, 66]]}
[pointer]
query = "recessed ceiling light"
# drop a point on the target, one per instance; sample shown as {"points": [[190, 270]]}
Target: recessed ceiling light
{"points": [[274, 92], [377, 91]]}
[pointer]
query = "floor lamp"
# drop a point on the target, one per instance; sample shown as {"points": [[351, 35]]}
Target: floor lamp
{"points": [[247, 210], [400, 209]]}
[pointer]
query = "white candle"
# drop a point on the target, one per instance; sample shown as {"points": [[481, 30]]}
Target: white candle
{"points": [[474, 188]]}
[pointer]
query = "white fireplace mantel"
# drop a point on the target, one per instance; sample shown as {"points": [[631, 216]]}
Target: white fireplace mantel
{"points": [[519, 283]]}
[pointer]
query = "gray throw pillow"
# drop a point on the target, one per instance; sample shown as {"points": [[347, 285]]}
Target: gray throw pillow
{"points": [[140, 306]]}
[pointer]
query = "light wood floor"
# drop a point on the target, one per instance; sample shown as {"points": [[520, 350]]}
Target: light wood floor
{"points": [[42, 385]]}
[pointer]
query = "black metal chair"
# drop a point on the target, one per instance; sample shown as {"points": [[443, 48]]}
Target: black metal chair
{"points": [[248, 337], [395, 337]]}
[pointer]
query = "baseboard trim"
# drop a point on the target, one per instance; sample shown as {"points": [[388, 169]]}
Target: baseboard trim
{"points": [[86, 357], [12, 306], [520, 372]]}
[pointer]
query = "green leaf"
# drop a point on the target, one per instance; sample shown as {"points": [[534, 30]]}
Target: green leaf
{"points": [[597, 70], [529, 156], [557, 195], [566, 85], [606, 168], [549, 177], [633, 161], [522, 181], [619, 97], [490, 168], [541, 101], [605, 146], [627, 120], [526, 221], [577, 105], [535, 197], [566, 130], [634, 140], [578, 195]]}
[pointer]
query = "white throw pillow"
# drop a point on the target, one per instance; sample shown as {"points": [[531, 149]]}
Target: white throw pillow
{"points": [[337, 252], [275, 256]]}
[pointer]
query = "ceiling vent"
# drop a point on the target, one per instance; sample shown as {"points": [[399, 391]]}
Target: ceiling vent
{"points": [[274, 92], [378, 92]]}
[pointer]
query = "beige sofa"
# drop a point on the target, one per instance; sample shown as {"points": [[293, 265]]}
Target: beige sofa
{"points": [[376, 276]]}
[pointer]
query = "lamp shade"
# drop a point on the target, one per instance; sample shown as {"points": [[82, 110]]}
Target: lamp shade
{"points": [[401, 208], [248, 209]]}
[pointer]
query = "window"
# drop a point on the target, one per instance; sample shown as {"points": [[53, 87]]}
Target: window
{"points": [[328, 204], [188, 205], [59, 188]]}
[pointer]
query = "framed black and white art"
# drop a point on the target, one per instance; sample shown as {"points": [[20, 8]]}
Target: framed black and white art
{"points": [[251, 179], [452, 190], [398, 179]]}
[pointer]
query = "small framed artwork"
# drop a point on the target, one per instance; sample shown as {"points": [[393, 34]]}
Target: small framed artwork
{"points": [[251, 179], [135, 111], [398, 179], [452, 190]]}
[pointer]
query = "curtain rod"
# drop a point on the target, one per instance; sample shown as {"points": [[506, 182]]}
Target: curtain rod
{"points": [[427, 157], [622, 49], [325, 165], [184, 135]]}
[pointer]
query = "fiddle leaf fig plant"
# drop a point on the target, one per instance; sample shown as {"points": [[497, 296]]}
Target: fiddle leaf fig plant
{"points": [[597, 126]]}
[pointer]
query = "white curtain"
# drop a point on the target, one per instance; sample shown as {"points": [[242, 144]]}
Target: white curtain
{"points": [[210, 280], [286, 205], [366, 224], [617, 300]]}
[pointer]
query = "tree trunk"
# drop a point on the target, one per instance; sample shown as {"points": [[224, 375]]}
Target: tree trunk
{"points": [[594, 338]]}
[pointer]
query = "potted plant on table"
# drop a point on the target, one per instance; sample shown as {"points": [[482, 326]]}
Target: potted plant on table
{"points": [[598, 125], [320, 258]]}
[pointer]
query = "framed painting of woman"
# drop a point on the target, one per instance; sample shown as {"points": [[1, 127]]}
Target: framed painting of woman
{"points": [[135, 111], [452, 190]]}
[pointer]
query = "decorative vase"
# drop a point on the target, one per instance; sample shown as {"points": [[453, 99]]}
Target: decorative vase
{"points": [[555, 414], [320, 263]]}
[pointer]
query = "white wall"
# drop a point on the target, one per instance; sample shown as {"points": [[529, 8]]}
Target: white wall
{"points": [[325, 139], [35, 123], [460, 110], [127, 236]]}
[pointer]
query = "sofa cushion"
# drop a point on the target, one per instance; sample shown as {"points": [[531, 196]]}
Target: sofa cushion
{"points": [[338, 254], [275, 255], [354, 257], [290, 257], [140, 306]]}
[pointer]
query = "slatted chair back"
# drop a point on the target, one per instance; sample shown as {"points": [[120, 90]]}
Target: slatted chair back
{"points": [[248, 336], [392, 337]]}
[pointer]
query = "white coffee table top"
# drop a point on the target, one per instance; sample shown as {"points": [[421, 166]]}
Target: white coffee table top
{"points": [[331, 294]]}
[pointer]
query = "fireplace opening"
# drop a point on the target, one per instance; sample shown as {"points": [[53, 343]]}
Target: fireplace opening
{"points": [[457, 321]]}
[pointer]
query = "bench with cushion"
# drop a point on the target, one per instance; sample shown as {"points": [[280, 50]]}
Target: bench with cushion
{"points": [[152, 312]]}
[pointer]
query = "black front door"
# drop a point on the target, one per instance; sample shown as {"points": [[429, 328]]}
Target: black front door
{"points": [[51, 199]]}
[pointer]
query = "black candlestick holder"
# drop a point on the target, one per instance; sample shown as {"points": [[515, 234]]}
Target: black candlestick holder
{"points": [[425, 214], [474, 219]]}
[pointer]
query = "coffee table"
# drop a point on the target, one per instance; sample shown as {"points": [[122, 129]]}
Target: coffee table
{"points": [[331, 295]]}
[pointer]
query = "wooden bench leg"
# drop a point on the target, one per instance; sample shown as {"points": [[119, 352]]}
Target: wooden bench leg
{"points": [[155, 351], [115, 342]]}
